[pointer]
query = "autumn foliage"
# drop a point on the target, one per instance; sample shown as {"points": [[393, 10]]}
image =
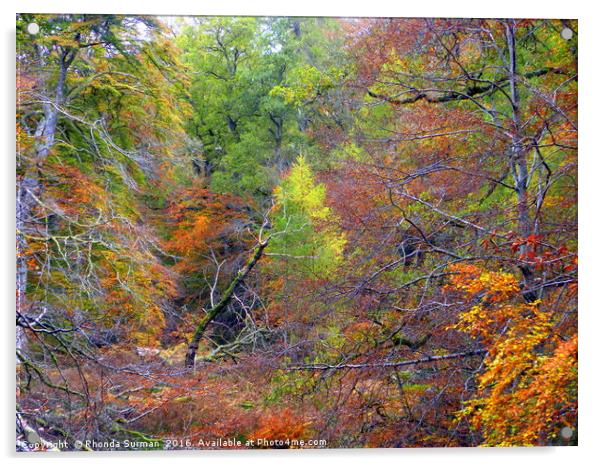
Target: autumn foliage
{"points": [[359, 233]]}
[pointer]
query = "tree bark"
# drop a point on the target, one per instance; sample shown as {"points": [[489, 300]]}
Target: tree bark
{"points": [[29, 187], [518, 163], [223, 303], [386, 364]]}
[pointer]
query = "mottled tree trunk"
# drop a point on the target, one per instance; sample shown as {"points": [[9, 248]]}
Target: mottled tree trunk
{"points": [[223, 303], [29, 187], [518, 162]]}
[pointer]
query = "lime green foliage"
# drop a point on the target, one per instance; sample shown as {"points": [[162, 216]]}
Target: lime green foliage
{"points": [[304, 83], [254, 83], [349, 151], [239, 171], [304, 224]]}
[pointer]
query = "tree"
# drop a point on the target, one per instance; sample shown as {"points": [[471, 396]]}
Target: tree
{"points": [[99, 109], [282, 229], [250, 127], [305, 227]]}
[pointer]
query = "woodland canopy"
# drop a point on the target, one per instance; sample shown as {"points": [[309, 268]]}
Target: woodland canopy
{"points": [[345, 232]]}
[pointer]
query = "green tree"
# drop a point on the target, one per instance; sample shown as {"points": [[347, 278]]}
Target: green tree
{"points": [[304, 225]]}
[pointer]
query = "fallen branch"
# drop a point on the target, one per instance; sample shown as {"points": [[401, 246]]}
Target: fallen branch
{"points": [[223, 303], [369, 365]]}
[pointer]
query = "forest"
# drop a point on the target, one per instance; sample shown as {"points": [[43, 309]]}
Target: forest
{"points": [[273, 232]]}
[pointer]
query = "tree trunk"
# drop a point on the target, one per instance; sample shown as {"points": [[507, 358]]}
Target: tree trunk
{"points": [[518, 163], [29, 186], [223, 303]]}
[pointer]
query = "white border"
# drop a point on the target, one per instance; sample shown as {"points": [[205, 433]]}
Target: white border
{"points": [[590, 172], [523, 9]]}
